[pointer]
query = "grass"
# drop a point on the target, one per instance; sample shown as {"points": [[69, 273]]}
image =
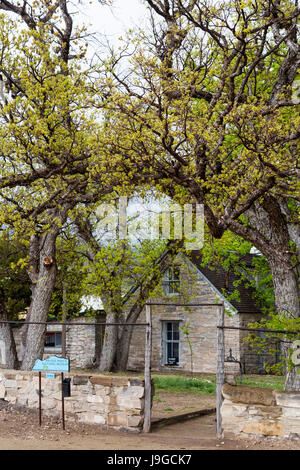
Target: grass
{"points": [[206, 385], [184, 384], [265, 381]]}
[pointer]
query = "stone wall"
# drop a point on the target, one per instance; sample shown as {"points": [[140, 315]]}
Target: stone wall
{"points": [[254, 411], [114, 402], [202, 334], [80, 341]]}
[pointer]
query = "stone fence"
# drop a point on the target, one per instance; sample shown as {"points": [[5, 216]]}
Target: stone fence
{"points": [[254, 411], [114, 402]]}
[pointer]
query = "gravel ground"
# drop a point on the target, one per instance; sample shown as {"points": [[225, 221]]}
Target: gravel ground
{"points": [[19, 429]]}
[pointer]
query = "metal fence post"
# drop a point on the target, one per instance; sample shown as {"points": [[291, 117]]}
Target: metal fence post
{"points": [[220, 368], [148, 387]]}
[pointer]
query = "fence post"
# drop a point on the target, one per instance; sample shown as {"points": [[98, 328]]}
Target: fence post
{"points": [[220, 368], [148, 388]]}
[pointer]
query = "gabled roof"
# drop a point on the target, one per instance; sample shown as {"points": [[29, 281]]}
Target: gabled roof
{"points": [[222, 279], [217, 277]]}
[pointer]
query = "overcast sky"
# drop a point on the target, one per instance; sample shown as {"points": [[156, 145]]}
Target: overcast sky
{"points": [[114, 20]]}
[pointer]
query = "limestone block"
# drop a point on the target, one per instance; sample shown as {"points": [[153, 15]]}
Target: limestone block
{"points": [[102, 390], [267, 412], [92, 418], [2, 391], [135, 392], [235, 429], [53, 412], [109, 381], [291, 412], [49, 403], [69, 406], [51, 384], [128, 402], [32, 396], [136, 382], [288, 399], [101, 380], [113, 408], [247, 395], [95, 399], [292, 426], [135, 412], [117, 419], [80, 380], [22, 401], [86, 389], [11, 398], [9, 376], [81, 406], [21, 384], [135, 421], [117, 390], [28, 387], [234, 420], [10, 383], [234, 410], [55, 395], [264, 428], [33, 403], [19, 377]]}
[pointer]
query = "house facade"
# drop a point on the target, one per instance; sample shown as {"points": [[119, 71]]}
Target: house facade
{"points": [[183, 338]]}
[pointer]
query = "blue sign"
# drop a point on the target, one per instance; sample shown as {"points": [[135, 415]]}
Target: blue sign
{"points": [[50, 375], [52, 364]]}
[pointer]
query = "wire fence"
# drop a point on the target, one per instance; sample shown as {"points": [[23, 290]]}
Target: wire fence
{"points": [[103, 325]]}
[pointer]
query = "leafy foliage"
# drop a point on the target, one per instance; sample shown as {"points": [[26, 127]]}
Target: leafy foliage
{"points": [[15, 289]]}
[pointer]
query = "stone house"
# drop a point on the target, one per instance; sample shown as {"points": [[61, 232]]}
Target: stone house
{"points": [[186, 282], [185, 338]]}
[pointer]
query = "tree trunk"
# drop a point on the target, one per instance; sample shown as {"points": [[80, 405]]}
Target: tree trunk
{"points": [[287, 302], [110, 342], [286, 290], [64, 319], [98, 341], [41, 298], [125, 337], [8, 351], [123, 348], [270, 233]]}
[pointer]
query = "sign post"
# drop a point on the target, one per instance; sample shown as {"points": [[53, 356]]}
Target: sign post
{"points": [[40, 398], [50, 366], [62, 401]]}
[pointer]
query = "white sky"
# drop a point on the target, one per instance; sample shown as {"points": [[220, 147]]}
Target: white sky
{"points": [[114, 20]]}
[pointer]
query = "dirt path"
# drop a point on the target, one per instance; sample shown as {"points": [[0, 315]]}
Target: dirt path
{"points": [[20, 430]]}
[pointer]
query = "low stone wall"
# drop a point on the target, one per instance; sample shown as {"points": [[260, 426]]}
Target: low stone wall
{"points": [[254, 411], [114, 402]]}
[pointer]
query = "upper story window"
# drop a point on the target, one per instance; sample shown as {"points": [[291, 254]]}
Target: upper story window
{"points": [[171, 280]]}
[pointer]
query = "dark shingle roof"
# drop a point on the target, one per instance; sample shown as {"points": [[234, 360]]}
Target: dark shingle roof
{"points": [[224, 280]]}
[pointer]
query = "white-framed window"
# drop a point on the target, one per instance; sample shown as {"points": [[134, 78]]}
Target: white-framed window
{"points": [[171, 281], [171, 343], [53, 340]]}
